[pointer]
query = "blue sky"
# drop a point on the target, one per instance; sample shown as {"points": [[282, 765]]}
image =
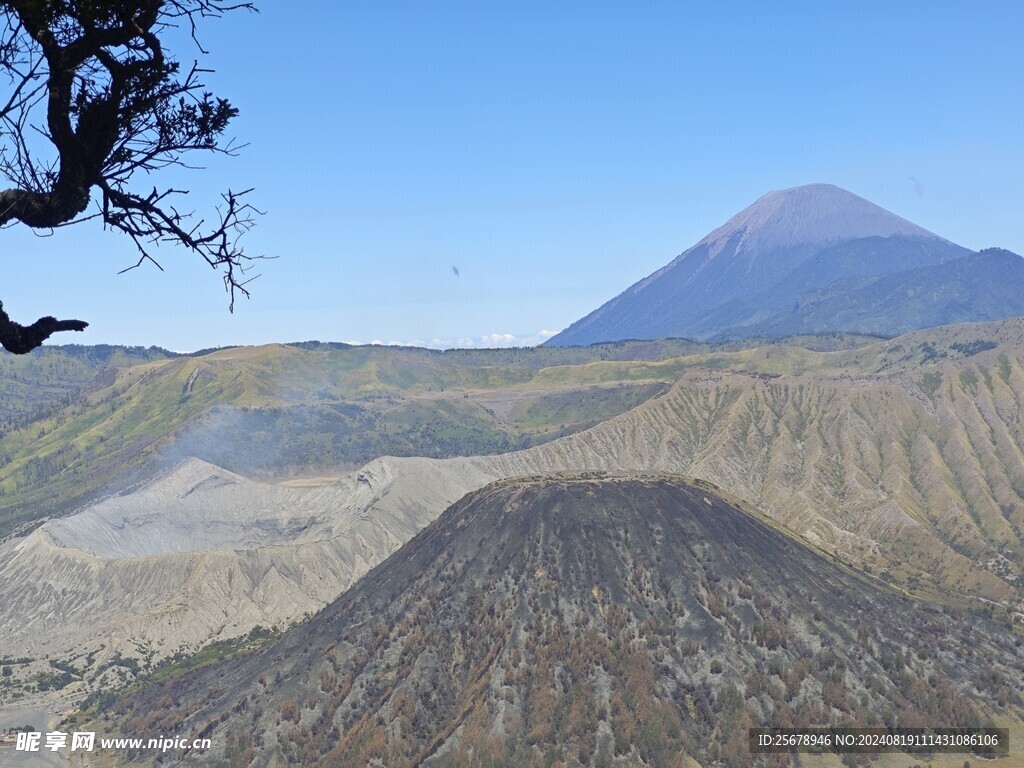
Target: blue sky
{"points": [[553, 153]]}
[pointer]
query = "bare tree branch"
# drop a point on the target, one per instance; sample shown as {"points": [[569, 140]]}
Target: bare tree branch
{"points": [[92, 88]]}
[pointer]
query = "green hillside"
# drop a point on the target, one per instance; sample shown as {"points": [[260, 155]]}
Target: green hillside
{"points": [[52, 375], [282, 410], [104, 419]]}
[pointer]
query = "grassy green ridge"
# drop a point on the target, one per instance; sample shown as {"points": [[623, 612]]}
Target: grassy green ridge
{"points": [[61, 459], [53, 375], [281, 408]]}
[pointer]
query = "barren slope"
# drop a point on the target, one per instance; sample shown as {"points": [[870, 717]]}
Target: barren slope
{"points": [[202, 554], [572, 621]]}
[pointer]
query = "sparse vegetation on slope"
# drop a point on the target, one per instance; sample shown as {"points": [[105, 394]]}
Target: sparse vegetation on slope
{"points": [[52, 376], [572, 621]]}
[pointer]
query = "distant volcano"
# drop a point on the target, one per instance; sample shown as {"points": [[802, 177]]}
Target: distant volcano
{"points": [[807, 260]]}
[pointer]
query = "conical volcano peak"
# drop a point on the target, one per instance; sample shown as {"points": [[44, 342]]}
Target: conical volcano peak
{"points": [[574, 616], [814, 214], [807, 259]]}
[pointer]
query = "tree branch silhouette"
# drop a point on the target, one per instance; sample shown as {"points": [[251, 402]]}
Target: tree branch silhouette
{"points": [[91, 85]]}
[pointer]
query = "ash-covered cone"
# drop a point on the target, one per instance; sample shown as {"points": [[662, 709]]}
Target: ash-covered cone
{"points": [[587, 620]]}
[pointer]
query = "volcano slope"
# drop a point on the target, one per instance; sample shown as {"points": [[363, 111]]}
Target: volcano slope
{"points": [[587, 620]]}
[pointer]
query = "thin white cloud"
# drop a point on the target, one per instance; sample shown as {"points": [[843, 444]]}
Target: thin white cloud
{"points": [[499, 340], [493, 340], [486, 341]]}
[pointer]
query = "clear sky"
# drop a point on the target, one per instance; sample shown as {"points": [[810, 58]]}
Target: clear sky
{"points": [[479, 173]]}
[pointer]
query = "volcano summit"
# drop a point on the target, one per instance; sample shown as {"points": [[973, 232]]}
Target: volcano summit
{"points": [[810, 259]]}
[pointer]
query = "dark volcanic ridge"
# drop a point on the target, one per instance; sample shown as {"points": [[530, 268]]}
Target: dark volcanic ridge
{"points": [[810, 259], [589, 620]]}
